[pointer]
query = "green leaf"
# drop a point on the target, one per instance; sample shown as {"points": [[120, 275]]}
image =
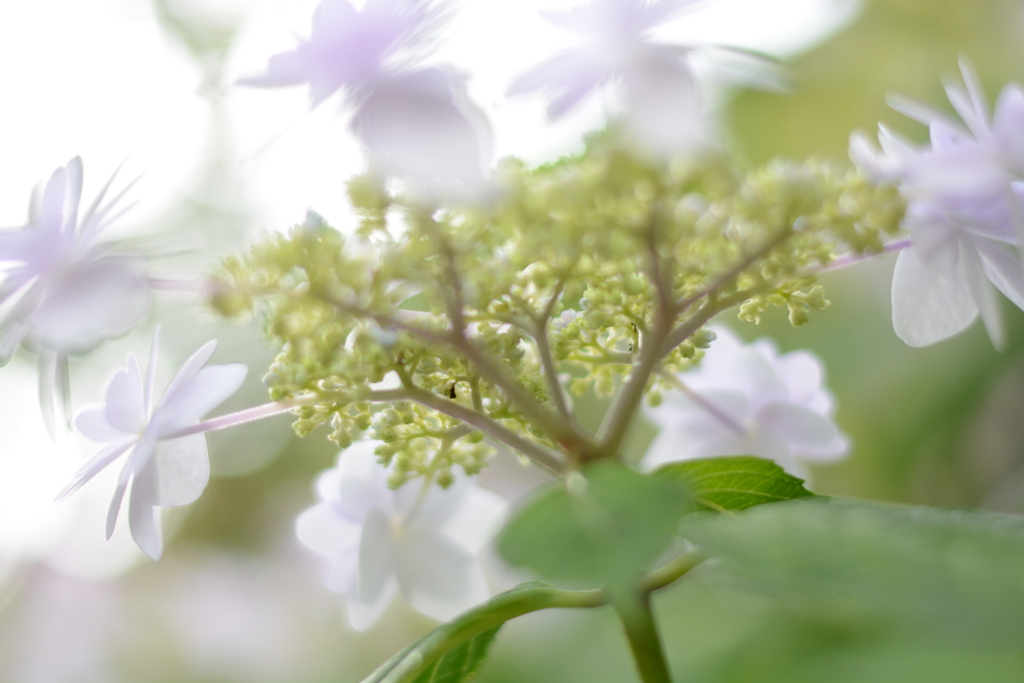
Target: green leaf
{"points": [[958, 572], [453, 652], [461, 662], [605, 525], [734, 483]]}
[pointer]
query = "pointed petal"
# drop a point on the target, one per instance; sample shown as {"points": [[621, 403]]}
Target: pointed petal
{"points": [[983, 292], [923, 113], [182, 470], [143, 516], [193, 365], [438, 576], [1003, 271], [105, 456], [115, 502], [73, 194], [929, 305], [124, 404], [151, 373], [51, 217], [192, 399]]}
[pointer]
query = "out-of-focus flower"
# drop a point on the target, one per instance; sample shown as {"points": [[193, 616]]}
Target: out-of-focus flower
{"points": [[419, 540], [64, 289], [662, 103], [747, 399], [164, 468], [416, 123], [964, 201]]}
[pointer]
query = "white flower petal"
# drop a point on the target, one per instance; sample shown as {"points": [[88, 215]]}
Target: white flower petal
{"points": [[342, 570], [803, 375], [983, 292], [92, 424], [193, 398], [437, 576], [1003, 271], [361, 484], [124, 404], [182, 468], [115, 502], [376, 558], [193, 365], [833, 451], [927, 305], [363, 615], [799, 427], [477, 519], [321, 529], [73, 192], [95, 464], [143, 517]]}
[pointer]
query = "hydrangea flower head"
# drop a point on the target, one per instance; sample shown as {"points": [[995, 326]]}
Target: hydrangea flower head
{"points": [[660, 95], [747, 399], [164, 467], [964, 195], [418, 540]]}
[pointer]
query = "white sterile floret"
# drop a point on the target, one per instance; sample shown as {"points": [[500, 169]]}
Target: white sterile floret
{"points": [[660, 94], [416, 123], [63, 287], [167, 465], [747, 399], [964, 209], [419, 540]]}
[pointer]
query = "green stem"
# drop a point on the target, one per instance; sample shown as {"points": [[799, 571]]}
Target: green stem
{"points": [[414, 658], [644, 640]]}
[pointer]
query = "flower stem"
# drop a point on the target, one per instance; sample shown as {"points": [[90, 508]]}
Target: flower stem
{"points": [[243, 416], [851, 259], [642, 633], [178, 285]]}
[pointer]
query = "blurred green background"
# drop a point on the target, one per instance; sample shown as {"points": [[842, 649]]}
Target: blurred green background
{"points": [[237, 600]]}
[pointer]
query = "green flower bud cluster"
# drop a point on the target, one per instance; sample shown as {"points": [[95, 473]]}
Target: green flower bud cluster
{"points": [[420, 443], [477, 319]]}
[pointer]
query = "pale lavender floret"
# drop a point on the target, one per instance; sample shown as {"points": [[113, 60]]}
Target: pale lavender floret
{"points": [[416, 123], [353, 49], [163, 467], [64, 289], [662, 104], [747, 399], [964, 201], [423, 543]]}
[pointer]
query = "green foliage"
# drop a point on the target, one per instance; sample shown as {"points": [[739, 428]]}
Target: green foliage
{"points": [[598, 264], [944, 573], [606, 525], [734, 483], [460, 663]]}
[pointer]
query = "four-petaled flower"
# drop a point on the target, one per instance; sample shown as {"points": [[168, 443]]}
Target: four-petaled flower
{"points": [[64, 288], [166, 465], [416, 123], [420, 540], [662, 106], [749, 400], [964, 204]]}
